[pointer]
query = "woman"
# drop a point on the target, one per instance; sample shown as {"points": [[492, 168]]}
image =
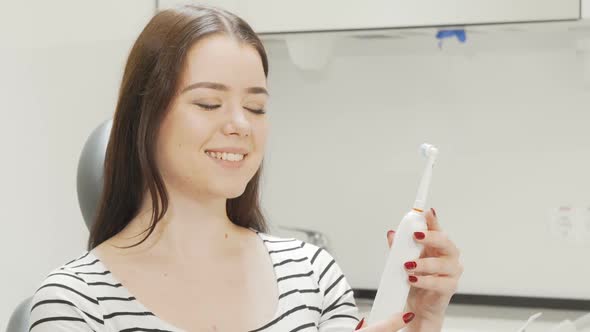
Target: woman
{"points": [[179, 240]]}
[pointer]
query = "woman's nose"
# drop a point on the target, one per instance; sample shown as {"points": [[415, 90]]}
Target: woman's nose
{"points": [[238, 123]]}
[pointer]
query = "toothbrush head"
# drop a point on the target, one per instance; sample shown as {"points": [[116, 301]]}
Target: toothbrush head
{"points": [[428, 150]]}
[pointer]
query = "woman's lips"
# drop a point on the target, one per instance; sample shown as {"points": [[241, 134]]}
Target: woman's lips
{"points": [[228, 163]]}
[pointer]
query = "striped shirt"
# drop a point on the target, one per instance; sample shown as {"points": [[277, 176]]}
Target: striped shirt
{"points": [[83, 295]]}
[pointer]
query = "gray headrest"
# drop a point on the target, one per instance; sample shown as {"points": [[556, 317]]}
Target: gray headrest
{"points": [[90, 171]]}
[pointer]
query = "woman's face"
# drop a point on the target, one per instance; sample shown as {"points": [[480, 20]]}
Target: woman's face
{"points": [[215, 120]]}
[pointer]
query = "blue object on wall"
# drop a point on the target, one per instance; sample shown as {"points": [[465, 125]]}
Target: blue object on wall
{"points": [[460, 34]]}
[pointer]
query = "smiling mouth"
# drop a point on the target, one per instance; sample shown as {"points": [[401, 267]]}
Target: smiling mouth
{"points": [[226, 156]]}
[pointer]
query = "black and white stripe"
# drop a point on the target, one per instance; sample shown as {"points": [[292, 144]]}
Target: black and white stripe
{"points": [[84, 295]]}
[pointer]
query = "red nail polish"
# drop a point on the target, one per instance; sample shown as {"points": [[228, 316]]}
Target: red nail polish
{"points": [[419, 235], [360, 324], [410, 265], [408, 317], [412, 278], [433, 212], [390, 232]]}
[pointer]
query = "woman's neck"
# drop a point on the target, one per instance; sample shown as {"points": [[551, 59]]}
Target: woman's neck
{"points": [[191, 229]]}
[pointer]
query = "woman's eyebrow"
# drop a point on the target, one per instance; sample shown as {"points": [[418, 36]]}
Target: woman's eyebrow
{"points": [[222, 87]]}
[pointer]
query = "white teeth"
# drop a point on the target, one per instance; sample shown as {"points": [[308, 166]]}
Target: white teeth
{"points": [[226, 156]]}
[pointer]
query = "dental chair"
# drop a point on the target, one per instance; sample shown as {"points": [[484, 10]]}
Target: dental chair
{"points": [[89, 187]]}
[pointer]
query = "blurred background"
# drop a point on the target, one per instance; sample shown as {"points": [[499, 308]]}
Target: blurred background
{"points": [[501, 87]]}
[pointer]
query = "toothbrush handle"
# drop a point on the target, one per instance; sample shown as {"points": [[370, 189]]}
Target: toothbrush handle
{"points": [[394, 287]]}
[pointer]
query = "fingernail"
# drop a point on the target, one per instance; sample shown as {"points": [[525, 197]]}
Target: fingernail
{"points": [[408, 317], [433, 212], [390, 232], [410, 265], [412, 278], [360, 324], [419, 235]]}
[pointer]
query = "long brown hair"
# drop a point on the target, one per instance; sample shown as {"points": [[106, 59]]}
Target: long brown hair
{"points": [[150, 81]]}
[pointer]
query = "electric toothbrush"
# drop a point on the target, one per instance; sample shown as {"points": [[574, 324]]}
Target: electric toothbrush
{"points": [[394, 287]]}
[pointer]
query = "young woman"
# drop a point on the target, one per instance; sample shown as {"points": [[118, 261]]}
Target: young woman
{"points": [[179, 241]]}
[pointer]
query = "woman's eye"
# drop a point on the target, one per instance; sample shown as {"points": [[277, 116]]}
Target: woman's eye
{"points": [[207, 106], [257, 111], [212, 107]]}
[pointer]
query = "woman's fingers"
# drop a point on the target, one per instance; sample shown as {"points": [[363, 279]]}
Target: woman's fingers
{"points": [[438, 284], [390, 236], [434, 265], [395, 323], [361, 324], [438, 240], [432, 220], [434, 239]]}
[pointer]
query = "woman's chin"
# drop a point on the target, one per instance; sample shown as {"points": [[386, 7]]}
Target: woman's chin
{"points": [[234, 195], [231, 191]]}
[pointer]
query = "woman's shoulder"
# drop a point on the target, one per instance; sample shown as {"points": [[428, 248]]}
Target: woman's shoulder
{"points": [[289, 245], [64, 293], [70, 274], [337, 305], [70, 280], [293, 249]]}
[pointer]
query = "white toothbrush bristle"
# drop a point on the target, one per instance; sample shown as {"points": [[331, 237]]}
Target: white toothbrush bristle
{"points": [[428, 150]]}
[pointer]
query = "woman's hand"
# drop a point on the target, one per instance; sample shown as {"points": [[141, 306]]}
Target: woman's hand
{"points": [[433, 277], [395, 323]]}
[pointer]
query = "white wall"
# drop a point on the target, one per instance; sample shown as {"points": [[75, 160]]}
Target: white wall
{"points": [[60, 65], [509, 112]]}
